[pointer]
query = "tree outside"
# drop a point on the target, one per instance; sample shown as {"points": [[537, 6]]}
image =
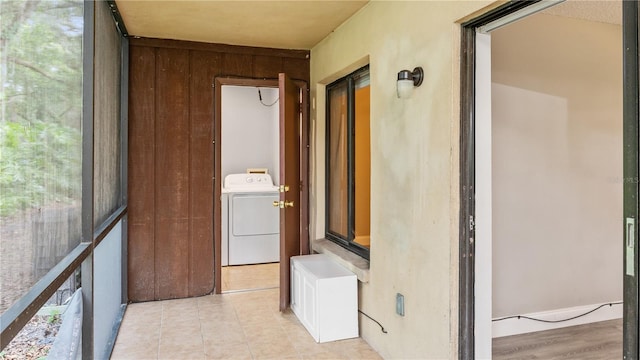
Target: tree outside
{"points": [[40, 139]]}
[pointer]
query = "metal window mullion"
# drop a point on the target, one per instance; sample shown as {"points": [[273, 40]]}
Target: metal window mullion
{"points": [[124, 156], [351, 112], [88, 54], [327, 167]]}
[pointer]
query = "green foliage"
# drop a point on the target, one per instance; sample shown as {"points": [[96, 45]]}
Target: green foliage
{"points": [[40, 103], [41, 163], [54, 317]]}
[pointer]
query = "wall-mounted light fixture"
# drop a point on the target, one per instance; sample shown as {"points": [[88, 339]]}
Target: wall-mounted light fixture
{"points": [[407, 80]]}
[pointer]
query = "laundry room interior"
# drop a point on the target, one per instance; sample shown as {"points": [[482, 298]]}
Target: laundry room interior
{"points": [[250, 169]]}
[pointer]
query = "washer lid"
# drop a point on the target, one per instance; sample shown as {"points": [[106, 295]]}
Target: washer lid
{"points": [[248, 183]]}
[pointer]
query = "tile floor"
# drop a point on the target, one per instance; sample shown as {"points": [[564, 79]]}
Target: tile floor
{"points": [[240, 325], [234, 325], [245, 277]]}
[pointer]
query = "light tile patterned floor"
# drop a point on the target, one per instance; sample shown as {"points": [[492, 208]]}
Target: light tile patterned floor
{"points": [[259, 276], [240, 325]]}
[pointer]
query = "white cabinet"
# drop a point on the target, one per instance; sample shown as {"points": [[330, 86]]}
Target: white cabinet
{"points": [[324, 297]]}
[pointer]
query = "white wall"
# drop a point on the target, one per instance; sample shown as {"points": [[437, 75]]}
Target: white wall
{"points": [[414, 168], [250, 130], [482, 263], [557, 161]]}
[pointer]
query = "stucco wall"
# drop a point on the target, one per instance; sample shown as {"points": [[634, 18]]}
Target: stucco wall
{"points": [[413, 167]]}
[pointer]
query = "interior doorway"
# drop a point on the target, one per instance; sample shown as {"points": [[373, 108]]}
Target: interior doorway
{"points": [[250, 179], [556, 163], [479, 273], [281, 170]]}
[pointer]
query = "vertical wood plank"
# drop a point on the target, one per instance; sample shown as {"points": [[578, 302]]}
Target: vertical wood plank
{"points": [[237, 65], [204, 67], [141, 205], [172, 173], [266, 67]]}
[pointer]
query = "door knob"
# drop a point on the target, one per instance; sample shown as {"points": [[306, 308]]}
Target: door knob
{"points": [[282, 204]]}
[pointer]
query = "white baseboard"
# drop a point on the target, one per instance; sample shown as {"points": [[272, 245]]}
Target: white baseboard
{"points": [[515, 326]]}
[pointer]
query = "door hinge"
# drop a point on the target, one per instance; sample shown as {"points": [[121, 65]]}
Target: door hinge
{"points": [[472, 224]]}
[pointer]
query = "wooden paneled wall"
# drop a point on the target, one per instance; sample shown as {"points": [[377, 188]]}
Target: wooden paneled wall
{"points": [[171, 159]]}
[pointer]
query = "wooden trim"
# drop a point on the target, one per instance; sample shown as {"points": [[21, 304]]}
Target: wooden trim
{"points": [[222, 48], [240, 81], [305, 246], [289, 154], [217, 186]]}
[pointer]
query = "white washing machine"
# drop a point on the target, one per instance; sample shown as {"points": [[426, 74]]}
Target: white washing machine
{"points": [[250, 222]]}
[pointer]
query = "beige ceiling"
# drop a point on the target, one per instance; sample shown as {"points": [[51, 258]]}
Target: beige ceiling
{"points": [[277, 24], [605, 11], [290, 24]]}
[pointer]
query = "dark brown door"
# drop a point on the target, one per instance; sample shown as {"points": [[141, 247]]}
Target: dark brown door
{"points": [[289, 181]]}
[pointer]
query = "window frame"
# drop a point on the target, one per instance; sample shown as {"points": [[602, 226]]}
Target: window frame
{"points": [[348, 241]]}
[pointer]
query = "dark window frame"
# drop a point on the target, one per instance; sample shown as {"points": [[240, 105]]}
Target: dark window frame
{"points": [[348, 241]]}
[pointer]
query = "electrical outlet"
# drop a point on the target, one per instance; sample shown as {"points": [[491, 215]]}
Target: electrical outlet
{"points": [[400, 304]]}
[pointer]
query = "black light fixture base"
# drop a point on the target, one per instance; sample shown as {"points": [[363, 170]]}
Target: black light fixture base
{"points": [[418, 75]]}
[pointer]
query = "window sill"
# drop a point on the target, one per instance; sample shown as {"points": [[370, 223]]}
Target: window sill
{"points": [[356, 264]]}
